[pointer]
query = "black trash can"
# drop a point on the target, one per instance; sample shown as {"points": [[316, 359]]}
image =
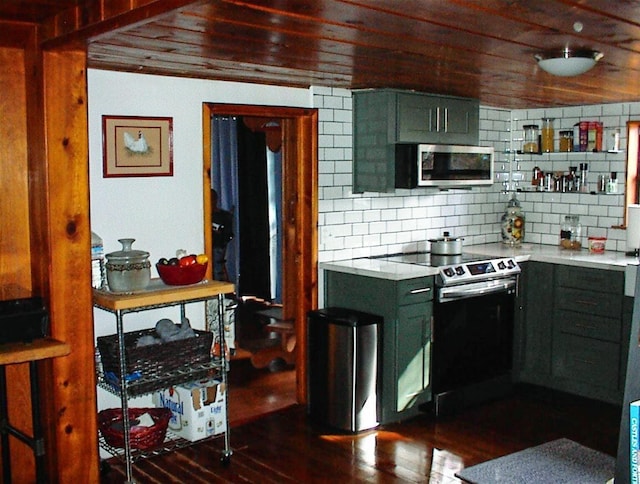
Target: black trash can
{"points": [[344, 368]]}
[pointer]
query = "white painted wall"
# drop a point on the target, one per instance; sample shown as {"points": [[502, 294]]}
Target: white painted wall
{"points": [[162, 213]]}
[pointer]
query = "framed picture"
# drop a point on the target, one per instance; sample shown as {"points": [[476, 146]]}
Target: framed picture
{"points": [[137, 146]]}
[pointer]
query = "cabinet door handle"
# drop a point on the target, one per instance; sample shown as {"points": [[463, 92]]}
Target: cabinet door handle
{"points": [[446, 120], [420, 291], [438, 119], [587, 303]]}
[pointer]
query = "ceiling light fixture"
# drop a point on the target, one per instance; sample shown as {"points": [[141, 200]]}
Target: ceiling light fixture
{"points": [[567, 62]]}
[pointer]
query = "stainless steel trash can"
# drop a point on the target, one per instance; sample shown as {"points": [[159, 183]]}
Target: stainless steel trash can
{"points": [[344, 368]]}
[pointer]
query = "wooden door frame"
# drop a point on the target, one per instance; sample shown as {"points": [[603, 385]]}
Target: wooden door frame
{"points": [[299, 211]]}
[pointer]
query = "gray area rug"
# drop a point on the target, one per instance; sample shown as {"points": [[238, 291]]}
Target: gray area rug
{"points": [[558, 461]]}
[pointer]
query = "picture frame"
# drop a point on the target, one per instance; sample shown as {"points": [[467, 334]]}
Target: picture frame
{"points": [[137, 146]]}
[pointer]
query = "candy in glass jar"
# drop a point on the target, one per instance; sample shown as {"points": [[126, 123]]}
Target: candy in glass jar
{"points": [[513, 223]]}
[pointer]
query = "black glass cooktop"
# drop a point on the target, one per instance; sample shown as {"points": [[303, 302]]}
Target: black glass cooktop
{"points": [[431, 260]]}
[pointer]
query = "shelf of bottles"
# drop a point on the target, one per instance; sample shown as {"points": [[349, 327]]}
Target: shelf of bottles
{"points": [[594, 172]]}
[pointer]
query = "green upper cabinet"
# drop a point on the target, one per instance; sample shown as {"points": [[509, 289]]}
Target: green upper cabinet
{"points": [[385, 117], [436, 119]]}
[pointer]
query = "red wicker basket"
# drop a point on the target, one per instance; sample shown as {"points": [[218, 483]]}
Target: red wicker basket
{"points": [[142, 438]]}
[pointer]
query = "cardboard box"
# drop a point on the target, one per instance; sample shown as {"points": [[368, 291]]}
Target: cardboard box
{"points": [[199, 409]]}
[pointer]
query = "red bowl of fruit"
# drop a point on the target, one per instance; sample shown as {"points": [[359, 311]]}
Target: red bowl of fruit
{"points": [[178, 274]]}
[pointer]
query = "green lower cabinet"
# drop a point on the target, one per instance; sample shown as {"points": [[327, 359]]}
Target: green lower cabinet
{"points": [[406, 307], [413, 356], [575, 329], [534, 323]]}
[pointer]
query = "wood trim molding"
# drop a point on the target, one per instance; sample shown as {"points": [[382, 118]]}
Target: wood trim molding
{"points": [[300, 210]]}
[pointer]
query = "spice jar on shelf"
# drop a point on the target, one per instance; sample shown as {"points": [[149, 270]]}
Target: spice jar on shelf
{"points": [[530, 138], [566, 140]]}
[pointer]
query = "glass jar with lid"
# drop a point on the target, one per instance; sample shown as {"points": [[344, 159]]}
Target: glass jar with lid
{"points": [[566, 140], [570, 233], [530, 144], [513, 223]]}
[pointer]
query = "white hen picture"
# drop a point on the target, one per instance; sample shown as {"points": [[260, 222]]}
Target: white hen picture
{"points": [[136, 145]]}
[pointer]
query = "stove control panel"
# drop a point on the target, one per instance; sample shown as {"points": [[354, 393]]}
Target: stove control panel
{"points": [[479, 270]]}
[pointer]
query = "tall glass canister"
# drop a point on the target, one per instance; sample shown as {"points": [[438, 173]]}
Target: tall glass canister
{"points": [[530, 144], [547, 135]]}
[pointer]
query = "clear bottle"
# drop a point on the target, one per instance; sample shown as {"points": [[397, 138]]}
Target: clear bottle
{"points": [[98, 275], [584, 172], [571, 179], [513, 223], [612, 183], [547, 135], [570, 233]]}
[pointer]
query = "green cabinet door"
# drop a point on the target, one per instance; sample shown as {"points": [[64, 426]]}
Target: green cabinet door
{"points": [[533, 341], [437, 119], [413, 356]]}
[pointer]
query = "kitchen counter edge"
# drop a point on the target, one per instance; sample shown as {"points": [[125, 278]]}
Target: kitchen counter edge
{"points": [[617, 261]]}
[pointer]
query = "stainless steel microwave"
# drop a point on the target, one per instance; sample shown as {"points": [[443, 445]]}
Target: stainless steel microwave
{"points": [[444, 165]]}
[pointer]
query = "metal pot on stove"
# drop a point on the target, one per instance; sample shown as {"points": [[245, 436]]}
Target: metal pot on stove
{"points": [[446, 245]]}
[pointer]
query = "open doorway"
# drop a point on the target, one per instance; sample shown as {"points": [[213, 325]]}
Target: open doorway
{"points": [[298, 272]]}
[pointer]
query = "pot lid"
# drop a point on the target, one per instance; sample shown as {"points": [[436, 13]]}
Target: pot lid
{"points": [[127, 254], [446, 238]]}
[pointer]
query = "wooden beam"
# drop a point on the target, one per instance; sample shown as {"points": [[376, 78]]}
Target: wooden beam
{"points": [[76, 26], [70, 391]]}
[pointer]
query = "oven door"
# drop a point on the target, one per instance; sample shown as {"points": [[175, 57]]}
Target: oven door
{"points": [[472, 343]]}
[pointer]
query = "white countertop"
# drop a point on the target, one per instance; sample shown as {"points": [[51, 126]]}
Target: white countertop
{"points": [[616, 261]]}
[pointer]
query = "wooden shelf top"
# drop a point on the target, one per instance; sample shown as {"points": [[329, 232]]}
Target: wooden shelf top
{"points": [[38, 349], [159, 293]]}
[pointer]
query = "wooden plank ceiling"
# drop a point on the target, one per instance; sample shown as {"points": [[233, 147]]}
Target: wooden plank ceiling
{"points": [[474, 48]]}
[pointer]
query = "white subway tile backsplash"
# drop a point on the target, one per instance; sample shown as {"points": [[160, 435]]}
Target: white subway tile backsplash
{"points": [[359, 225]]}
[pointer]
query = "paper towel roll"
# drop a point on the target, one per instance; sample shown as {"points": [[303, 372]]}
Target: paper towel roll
{"points": [[633, 228]]}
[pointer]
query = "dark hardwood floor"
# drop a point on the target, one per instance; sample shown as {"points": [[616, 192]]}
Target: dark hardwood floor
{"points": [[274, 442], [284, 447]]}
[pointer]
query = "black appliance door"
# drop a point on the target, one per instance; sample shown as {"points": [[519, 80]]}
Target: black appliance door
{"points": [[472, 340]]}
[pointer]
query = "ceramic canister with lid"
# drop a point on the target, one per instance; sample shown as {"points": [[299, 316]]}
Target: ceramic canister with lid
{"points": [[128, 270]]}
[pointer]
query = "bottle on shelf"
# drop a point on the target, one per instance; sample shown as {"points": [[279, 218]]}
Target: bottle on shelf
{"points": [[612, 183], [584, 173]]}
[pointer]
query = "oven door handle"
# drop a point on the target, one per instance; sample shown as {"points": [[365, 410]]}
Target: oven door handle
{"points": [[448, 294]]}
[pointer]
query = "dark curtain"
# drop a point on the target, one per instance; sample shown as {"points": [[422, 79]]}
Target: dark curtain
{"points": [[224, 179], [254, 209]]}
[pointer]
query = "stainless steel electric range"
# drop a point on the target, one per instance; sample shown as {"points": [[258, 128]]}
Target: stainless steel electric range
{"points": [[472, 327]]}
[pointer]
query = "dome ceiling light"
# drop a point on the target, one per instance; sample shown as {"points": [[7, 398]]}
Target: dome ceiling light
{"points": [[567, 62]]}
